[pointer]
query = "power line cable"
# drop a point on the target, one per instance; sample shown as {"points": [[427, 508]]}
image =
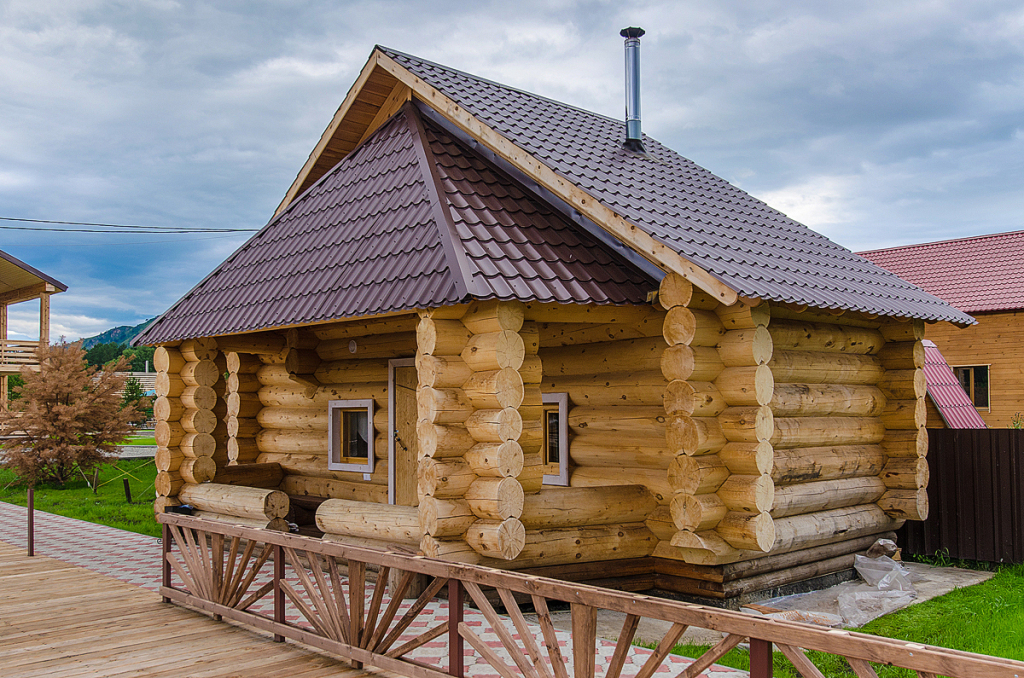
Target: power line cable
{"points": [[128, 228]]}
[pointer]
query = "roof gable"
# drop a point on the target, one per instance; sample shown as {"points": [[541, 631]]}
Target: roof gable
{"points": [[410, 219], [994, 283]]}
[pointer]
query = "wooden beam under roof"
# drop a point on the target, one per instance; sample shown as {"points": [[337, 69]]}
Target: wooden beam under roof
{"points": [[27, 293]]}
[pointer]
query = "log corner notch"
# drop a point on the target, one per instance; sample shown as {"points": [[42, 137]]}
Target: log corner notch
{"points": [[905, 474], [472, 364], [190, 442], [717, 403]]}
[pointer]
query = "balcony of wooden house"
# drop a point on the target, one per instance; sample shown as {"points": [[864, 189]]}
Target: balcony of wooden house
{"points": [[19, 284]]}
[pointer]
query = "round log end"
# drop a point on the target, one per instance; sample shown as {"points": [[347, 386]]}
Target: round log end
{"points": [[681, 435], [198, 470], [674, 290], [276, 504], [679, 326], [677, 362], [679, 397]]}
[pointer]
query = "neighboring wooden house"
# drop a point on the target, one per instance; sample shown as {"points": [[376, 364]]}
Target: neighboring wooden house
{"points": [[981, 276], [483, 325], [20, 283]]}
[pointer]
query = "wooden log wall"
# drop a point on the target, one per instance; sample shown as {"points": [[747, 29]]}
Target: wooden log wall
{"points": [[905, 474], [607, 359], [243, 405], [814, 431], [474, 368], [717, 401], [293, 388]]}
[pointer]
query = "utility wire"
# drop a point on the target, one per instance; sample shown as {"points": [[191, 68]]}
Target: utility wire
{"points": [[135, 229]]}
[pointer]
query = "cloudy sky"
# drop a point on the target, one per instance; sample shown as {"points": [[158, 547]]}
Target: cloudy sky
{"points": [[876, 123]]}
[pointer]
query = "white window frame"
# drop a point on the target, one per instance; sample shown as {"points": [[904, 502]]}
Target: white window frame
{"points": [[392, 424], [562, 400], [334, 445]]}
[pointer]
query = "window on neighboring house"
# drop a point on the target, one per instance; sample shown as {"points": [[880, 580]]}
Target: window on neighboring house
{"points": [[974, 380], [350, 435], [556, 438]]}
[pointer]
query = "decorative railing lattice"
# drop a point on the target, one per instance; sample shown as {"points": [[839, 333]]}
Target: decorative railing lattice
{"points": [[222, 569]]}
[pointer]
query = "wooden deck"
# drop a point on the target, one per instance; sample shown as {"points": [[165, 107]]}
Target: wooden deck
{"points": [[60, 620]]}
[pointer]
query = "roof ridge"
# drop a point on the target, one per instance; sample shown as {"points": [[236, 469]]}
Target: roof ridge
{"points": [[942, 242], [459, 265]]}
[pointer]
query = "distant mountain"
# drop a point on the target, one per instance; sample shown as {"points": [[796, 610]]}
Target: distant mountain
{"points": [[118, 335]]}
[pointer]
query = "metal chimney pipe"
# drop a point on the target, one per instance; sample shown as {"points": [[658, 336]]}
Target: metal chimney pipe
{"points": [[634, 135]]}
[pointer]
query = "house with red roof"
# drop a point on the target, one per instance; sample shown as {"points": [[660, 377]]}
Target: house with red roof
{"points": [[982, 276], [499, 329]]}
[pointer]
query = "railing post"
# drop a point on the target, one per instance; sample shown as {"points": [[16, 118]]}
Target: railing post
{"points": [[166, 564], [31, 520], [456, 644], [760, 658], [278, 591]]}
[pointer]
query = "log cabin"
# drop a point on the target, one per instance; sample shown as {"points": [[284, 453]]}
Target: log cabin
{"points": [[494, 328], [21, 283], [980, 275]]}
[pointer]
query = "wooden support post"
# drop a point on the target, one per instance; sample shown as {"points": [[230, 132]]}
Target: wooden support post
{"points": [[165, 565], [31, 520], [44, 320], [456, 644], [356, 603], [584, 636], [278, 591], [760, 658]]}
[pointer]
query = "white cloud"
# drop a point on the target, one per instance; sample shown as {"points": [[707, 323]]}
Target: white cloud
{"points": [[820, 201]]}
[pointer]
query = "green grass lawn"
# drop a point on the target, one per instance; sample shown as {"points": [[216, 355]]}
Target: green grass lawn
{"points": [[987, 618], [140, 437], [107, 506]]}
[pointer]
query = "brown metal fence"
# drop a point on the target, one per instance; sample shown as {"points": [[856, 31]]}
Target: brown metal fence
{"points": [[976, 497]]}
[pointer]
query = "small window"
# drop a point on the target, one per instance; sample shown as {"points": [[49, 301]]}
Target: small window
{"points": [[974, 380], [350, 435], [556, 438]]}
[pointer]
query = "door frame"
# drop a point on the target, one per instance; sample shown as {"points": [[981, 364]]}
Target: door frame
{"points": [[392, 364]]}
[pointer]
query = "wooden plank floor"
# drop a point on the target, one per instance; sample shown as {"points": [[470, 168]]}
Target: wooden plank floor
{"points": [[60, 620]]}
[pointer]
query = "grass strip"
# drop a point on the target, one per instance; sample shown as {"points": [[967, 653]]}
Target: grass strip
{"points": [[106, 507]]}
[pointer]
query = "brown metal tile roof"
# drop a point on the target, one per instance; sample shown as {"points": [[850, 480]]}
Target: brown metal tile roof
{"points": [[977, 275], [410, 219], [754, 249], [518, 247], [945, 390]]}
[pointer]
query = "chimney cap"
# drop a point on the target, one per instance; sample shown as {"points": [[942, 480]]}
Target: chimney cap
{"points": [[632, 32]]}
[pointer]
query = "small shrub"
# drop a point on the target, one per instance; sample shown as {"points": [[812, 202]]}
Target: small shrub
{"points": [[71, 414]]}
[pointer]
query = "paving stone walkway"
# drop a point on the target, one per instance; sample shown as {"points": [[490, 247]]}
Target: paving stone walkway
{"points": [[135, 559]]}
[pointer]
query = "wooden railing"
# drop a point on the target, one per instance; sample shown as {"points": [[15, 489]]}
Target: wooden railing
{"points": [[222, 570], [18, 352]]}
